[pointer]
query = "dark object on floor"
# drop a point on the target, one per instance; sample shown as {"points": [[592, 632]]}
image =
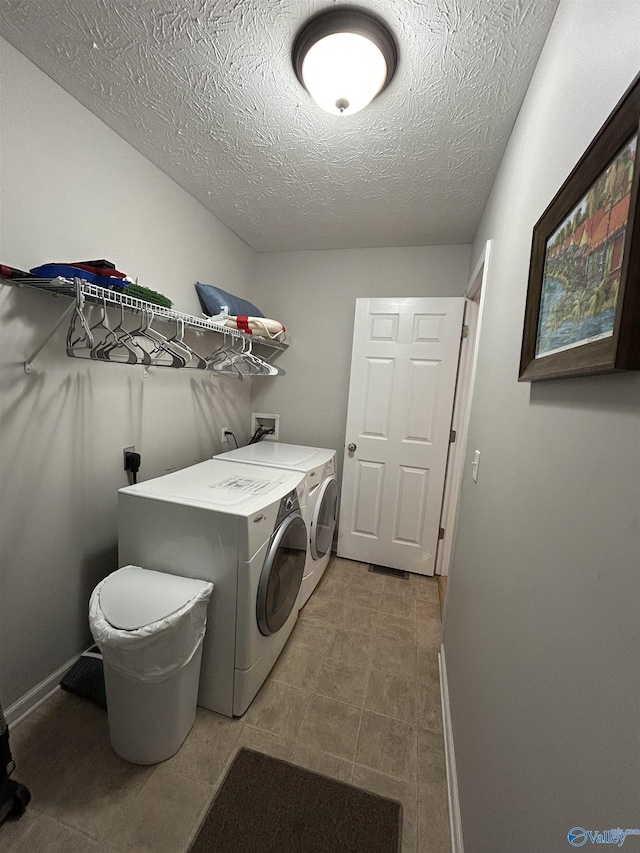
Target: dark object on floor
{"points": [[385, 570], [14, 797], [86, 677], [271, 806]]}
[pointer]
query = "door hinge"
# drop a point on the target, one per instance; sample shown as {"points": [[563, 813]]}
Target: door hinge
{"points": [[452, 436], [441, 533], [465, 331]]}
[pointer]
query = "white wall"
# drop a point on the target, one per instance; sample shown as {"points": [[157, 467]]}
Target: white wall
{"points": [[313, 294], [542, 634], [71, 189]]}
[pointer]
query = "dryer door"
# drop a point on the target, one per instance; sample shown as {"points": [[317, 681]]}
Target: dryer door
{"points": [[282, 574], [325, 514]]}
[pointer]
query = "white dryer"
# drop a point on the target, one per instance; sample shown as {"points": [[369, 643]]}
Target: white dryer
{"points": [[242, 529], [319, 467]]}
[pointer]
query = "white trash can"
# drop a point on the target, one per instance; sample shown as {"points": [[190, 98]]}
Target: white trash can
{"points": [[149, 627]]}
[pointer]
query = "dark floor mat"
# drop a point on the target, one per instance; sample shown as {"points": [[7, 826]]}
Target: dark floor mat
{"points": [[266, 805]]}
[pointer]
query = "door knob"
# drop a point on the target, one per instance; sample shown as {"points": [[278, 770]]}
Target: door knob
{"points": [[351, 447]]}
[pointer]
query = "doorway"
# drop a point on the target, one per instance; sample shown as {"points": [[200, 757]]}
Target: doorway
{"points": [[410, 395], [474, 309], [401, 391]]}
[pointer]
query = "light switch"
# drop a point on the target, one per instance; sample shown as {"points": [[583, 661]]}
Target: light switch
{"points": [[475, 465]]}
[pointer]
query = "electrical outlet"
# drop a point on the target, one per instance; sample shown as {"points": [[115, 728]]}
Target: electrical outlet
{"points": [[223, 437], [126, 450]]}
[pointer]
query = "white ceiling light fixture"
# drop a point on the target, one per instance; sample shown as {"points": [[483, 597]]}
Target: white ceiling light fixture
{"points": [[344, 57]]}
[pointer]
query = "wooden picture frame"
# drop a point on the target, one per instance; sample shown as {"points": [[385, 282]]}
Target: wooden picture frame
{"points": [[582, 313]]}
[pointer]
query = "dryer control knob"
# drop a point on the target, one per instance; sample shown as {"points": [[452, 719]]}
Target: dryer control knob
{"points": [[289, 503]]}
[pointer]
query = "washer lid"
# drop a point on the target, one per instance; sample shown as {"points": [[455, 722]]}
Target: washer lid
{"points": [[134, 597], [296, 456], [221, 485]]}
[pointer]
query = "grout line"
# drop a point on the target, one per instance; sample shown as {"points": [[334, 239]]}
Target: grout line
{"points": [[183, 775], [416, 709], [355, 753], [200, 819], [428, 729], [403, 779], [363, 706], [386, 716], [416, 805], [120, 817], [60, 821], [317, 678], [304, 720], [366, 692]]}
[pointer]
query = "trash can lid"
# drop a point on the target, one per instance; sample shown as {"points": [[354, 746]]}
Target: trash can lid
{"points": [[134, 597]]}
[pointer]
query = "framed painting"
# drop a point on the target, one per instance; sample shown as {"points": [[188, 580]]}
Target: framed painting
{"points": [[582, 314]]}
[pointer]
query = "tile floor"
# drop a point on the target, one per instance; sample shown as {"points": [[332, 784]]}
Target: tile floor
{"points": [[354, 695]]}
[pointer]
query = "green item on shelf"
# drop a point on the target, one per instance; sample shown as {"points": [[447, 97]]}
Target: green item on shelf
{"points": [[139, 292]]}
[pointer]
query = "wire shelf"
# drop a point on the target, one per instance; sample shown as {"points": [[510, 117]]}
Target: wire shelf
{"points": [[96, 294]]}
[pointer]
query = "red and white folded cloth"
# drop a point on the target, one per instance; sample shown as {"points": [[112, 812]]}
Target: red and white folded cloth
{"points": [[256, 326]]}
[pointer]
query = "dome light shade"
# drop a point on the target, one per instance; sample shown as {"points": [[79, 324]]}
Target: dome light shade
{"points": [[343, 72], [344, 57]]}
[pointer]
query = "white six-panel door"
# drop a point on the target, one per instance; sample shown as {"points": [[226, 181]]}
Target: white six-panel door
{"points": [[403, 375]]}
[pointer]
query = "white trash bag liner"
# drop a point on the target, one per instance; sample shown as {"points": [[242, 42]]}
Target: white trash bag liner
{"points": [[154, 652]]}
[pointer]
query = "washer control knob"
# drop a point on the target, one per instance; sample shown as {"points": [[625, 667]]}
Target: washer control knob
{"points": [[351, 447], [289, 503]]}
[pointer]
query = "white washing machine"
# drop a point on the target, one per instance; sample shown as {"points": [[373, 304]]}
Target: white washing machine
{"points": [[319, 467], [242, 529]]}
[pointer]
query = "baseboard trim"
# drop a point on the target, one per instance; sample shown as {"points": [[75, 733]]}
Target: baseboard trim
{"points": [[455, 821], [37, 695]]}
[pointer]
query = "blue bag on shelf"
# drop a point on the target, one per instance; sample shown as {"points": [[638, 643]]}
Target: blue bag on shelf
{"points": [[213, 299], [70, 271]]}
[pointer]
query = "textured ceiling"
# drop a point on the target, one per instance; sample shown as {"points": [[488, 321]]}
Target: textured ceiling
{"points": [[206, 91]]}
